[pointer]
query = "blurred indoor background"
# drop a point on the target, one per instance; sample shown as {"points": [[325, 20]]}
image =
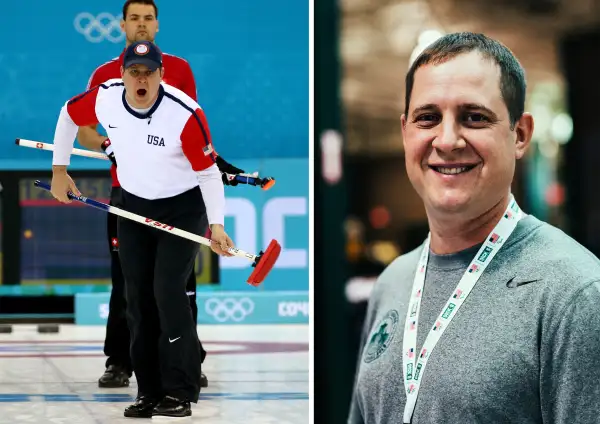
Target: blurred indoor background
{"points": [[367, 212]]}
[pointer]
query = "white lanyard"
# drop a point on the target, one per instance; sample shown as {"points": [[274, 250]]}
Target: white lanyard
{"points": [[413, 372]]}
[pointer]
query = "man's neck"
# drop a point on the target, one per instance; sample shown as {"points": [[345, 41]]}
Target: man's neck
{"points": [[449, 235], [129, 43], [134, 105]]}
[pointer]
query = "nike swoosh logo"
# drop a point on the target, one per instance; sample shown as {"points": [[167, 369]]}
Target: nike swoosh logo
{"points": [[511, 284], [174, 340], [110, 126]]}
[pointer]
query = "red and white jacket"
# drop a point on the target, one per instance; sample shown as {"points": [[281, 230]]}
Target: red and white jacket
{"points": [[161, 152]]}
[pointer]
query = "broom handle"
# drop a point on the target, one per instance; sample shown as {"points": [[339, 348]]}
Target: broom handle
{"points": [[147, 221]]}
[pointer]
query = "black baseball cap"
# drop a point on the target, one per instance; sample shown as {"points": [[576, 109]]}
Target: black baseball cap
{"points": [[143, 53]]}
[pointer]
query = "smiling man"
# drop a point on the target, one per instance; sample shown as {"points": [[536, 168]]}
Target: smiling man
{"points": [[495, 318]]}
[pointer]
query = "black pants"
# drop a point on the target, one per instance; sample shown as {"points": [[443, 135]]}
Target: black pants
{"points": [[165, 350], [117, 341]]}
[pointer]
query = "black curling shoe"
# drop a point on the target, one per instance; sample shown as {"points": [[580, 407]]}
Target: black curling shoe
{"points": [[172, 407], [142, 408]]}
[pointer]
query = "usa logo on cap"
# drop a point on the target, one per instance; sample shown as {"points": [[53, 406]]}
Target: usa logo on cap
{"points": [[141, 49]]}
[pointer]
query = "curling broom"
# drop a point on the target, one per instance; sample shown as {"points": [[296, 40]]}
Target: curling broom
{"points": [[262, 263], [251, 179]]}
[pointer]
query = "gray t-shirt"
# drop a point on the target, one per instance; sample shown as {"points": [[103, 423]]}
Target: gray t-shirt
{"points": [[523, 348]]}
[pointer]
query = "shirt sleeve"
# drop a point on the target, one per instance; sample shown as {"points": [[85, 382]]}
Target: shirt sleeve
{"points": [[95, 79], [213, 193], [189, 85], [197, 146], [570, 362], [77, 112], [196, 141], [355, 415]]}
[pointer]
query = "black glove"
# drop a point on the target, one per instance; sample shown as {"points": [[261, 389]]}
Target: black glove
{"points": [[227, 181], [226, 167], [107, 148]]}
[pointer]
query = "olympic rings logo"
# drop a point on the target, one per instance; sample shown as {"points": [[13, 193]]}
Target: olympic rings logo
{"points": [[96, 29], [229, 309]]}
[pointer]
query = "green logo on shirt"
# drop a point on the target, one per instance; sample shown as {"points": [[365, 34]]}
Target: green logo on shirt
{"points": [[382, 336]]}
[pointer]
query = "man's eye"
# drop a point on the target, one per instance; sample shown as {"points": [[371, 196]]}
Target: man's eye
{"points": [[476, 117], [428, 117]]}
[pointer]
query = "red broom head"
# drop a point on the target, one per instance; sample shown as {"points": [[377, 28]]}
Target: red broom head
{"points": [[267, 183], [264, 263]]}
